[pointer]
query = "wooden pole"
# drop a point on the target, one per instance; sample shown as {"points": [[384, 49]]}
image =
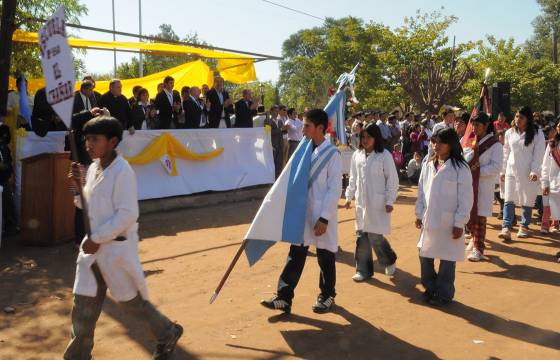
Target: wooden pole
{"points": [[7, 27], [85, 213], [228, 271]]}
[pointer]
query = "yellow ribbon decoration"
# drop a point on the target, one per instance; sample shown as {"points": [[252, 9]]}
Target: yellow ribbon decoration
{"points": [[167, 144]]}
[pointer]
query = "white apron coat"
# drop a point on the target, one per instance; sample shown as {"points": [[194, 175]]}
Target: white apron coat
{"points": [[520, 161], [490, 166], [445, 199], [113, 211], [322, 201], [374, 183], [550, 178]]}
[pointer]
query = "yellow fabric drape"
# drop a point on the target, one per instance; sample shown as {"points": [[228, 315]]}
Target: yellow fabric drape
{"points": [[31, 37], [238, 69], [167, 144]]}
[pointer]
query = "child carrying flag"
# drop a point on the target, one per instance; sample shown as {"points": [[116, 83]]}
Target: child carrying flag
{"points": [[109, 257]]}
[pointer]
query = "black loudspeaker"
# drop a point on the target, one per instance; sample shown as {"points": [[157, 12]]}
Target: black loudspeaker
{"points": [[500, 98]]}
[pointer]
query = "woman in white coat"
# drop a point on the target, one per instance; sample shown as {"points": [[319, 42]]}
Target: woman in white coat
{"points": [[524, 148], [374, 183], [485, 160], [550, 174], [445, 199]]}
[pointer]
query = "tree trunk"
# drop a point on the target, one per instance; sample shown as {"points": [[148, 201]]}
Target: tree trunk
{"points": [[7, 27], [555, 61]]}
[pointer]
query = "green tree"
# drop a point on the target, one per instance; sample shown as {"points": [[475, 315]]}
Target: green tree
{"points": [[153, 63]]}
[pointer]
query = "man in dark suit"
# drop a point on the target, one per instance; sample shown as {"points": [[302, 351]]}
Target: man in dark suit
{"points": [[220, 105], [82, 98], [95, 96], [245, 109], [195, 112], [277, 138], [168, 103], [117, 104]]}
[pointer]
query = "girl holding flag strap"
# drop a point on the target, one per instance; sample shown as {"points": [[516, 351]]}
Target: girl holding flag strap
{"points": [[445, 199], [321, 218], [524, 149], [374, 183], [485, 159]]}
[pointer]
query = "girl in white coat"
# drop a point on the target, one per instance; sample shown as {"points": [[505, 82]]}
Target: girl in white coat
{"points": [[445, 199], [109, 256], [524, 148], [550, 174], [485, 160], [374, 183]]}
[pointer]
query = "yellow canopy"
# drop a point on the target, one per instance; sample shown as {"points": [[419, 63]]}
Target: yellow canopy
{"points": [[234, 68]]}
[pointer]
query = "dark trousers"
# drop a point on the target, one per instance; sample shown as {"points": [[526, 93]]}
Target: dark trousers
{"points": [[501, 201], [539, 206], [9, 221], [364, 259], [294, 267], [79, 229], [442, 283]]}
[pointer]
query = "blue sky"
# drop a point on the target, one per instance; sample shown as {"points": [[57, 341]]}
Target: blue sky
{"points": [[256, 26]]}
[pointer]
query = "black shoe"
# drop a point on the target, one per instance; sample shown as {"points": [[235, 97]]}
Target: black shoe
{"points": [[501, 217], [427, 296], [276, 303], [165, 350], [438, 302], [323, 305]]}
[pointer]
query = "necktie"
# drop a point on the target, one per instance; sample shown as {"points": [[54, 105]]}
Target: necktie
{"points": [[87, 104]]}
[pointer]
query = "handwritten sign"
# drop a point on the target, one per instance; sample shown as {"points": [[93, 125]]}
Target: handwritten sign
{"points": [[58, 65]]}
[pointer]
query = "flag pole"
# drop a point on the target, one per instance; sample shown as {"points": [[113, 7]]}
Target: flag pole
{"points": [[85, 213], [228, 271]]}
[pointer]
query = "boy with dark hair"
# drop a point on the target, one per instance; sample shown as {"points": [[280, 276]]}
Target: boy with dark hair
{"points": [[108, 257], [321, 221]]}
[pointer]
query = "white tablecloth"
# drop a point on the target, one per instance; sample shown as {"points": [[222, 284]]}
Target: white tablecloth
{"points": [[246, 161]]}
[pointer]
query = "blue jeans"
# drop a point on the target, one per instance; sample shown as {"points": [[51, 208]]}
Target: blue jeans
{"points": [[364, 260], [509, 215], [442, 283]]}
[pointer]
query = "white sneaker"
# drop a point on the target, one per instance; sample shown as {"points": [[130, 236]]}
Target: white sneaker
{"points": [[390, 270], [523, 233], [544, 231], [358, 277], [470, 246], [505, 234], [475, 255], [468, 236]]}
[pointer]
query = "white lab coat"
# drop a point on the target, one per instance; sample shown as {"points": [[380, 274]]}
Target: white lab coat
{"points": [[445, 199], [490, 166], [550, 178], [374, 183], [322, 201], [519, 163], [113, 211]]}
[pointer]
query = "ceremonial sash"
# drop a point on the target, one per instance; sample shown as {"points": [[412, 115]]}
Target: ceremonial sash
{"points": [[555, 153], [479, 150], [320, 162]]}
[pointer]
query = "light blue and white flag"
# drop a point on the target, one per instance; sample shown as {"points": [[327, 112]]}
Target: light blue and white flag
{"points": [[336, 110], [24, 101], [281, 216]]}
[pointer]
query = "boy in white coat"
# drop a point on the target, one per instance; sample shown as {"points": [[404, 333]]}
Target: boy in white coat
{"points": [[374, 182], [445, 199], [109, 257], [321, 224]]}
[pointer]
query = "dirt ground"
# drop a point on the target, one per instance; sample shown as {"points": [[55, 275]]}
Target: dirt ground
{"points": [[506, 308]]}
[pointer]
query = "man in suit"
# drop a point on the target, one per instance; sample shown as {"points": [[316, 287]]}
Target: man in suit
{"points": [[276, 136], [195, 112], [219, 105], [168, 103], [95, 96], [117, 103], [245, 109], [82, 98]]}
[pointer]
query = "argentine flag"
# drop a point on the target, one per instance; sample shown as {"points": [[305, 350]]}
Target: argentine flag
{"points": [[281, 216], [335, 109]]}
